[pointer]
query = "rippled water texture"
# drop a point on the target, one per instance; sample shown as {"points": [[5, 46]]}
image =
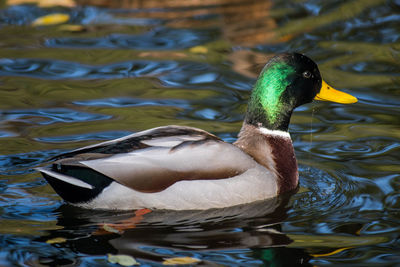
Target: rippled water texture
{"points": [[114, 69]]}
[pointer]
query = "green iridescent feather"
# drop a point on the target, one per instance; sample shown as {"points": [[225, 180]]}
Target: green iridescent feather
{"points": [[270, 85]]}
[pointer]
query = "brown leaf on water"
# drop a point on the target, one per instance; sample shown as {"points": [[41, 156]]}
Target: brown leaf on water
{"points": [[56, 240], [72, 28], [180, 261]]}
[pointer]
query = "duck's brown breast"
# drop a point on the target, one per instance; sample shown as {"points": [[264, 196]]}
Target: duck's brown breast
{"points": [[285, 162], [274, 151]]}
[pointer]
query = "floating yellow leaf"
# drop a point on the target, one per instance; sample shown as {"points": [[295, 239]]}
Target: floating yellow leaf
{"points": [[56, 240], [199, 49], [52, 19], [330, 253], [123, 260], [180, 261]]}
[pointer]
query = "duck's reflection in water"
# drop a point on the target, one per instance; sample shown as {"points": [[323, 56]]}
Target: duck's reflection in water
{"points": [[155, 235]]}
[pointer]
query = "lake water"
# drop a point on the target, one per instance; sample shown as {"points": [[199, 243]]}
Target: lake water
{"points": [[114, 69]]}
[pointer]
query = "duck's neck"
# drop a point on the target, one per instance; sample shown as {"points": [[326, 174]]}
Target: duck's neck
{"points": [[272, 149], [258, 119]]}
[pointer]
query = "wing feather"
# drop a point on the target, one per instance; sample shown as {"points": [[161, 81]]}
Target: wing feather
{"points": [[144, 139], [154, 169], [152, 160]]}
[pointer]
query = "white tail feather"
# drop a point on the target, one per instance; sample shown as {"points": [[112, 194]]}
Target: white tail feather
{"points": [[65, 178]]}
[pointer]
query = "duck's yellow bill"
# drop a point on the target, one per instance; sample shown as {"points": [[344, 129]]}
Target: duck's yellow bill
{"points": [[328, 93]]}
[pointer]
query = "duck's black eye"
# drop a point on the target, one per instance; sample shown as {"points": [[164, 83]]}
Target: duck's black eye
{"points": [[307, 74]]}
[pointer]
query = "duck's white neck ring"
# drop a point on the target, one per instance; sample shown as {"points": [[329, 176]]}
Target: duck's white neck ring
{"points": [[266, 131]]}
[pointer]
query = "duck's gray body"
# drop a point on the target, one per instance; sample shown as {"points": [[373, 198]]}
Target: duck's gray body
{"points": [[172, 167]]}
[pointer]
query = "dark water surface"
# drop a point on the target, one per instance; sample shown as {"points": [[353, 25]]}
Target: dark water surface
{"points": [[141, 64]]}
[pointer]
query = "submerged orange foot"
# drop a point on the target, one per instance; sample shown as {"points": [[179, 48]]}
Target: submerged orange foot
{"points": [[120, 227]]}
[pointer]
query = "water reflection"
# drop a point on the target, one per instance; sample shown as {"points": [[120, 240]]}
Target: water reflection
{"points": [[245, 22], [157, 39], [250, 230]]}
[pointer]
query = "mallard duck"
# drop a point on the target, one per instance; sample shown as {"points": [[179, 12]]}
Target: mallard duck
{"points": [[185, 168]]}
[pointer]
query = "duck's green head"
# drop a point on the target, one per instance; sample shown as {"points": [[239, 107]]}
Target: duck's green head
{"points": [[286, 82]]}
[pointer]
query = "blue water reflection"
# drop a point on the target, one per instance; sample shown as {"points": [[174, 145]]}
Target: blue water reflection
{"points": [[49, 116], [156, 39], [132, 102]]}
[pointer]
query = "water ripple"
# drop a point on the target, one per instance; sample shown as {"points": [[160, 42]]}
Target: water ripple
{"points": [[86, 15], [361, 148], [392, 202], [373, 27], [46, 116], [323, 191], [156, 39], [181, 74], [375, 67], [133, 102], [18, 164], [18, 15], [57, 69], [97, 136]]}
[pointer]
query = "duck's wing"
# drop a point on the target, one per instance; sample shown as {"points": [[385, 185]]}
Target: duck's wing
{"points": [[165, 136], [152, 160]]}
